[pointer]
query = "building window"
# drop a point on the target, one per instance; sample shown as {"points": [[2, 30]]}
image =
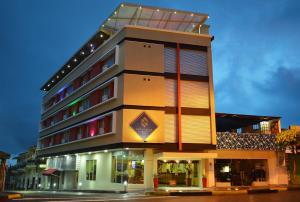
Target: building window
{"points": [[105, 94], [101, 126], [256, 127], [128, 166], [91, 169], [239, 130], [79, 133], [265, 127]]}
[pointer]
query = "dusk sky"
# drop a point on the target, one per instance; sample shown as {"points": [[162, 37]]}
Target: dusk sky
{"points": [[256, 57]]}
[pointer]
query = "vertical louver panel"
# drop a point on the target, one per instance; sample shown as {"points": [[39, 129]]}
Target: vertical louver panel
{"points": [[194, 94], [196, 129], [170, 59], [171, 90], [170, 128], [193, 62]]}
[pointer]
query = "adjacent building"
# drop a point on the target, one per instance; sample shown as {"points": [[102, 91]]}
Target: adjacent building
{"points": [[137, 101]]}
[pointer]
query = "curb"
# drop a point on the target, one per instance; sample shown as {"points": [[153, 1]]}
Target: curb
{"points": [[234, 192], [11, 196]]}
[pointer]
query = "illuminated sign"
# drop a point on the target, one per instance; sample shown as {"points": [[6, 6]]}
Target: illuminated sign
{"points": [[143, 125]]}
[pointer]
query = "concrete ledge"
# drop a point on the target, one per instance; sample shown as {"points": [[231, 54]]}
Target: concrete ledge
{"points": [[262, 191], [230, 192], [191, 193]]}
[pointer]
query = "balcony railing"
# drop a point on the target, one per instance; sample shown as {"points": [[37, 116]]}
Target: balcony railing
{"points": [[246, 141]]}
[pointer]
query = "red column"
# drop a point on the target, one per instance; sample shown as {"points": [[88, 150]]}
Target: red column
{"points": [[178, 98]]}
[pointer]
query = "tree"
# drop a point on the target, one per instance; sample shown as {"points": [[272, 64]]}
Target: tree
{"points": [[288, 139]]}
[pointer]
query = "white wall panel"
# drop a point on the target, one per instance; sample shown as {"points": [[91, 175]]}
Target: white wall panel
{"points": [[194, 94], [171, 90], [170, 59], [170, 128], [193, 62], [196, 129]]}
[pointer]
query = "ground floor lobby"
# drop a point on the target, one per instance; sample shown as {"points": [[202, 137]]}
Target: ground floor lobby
{"points": [[144, 169]]}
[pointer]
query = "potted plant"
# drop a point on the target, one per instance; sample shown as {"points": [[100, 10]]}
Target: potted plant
{"points": [[189, 179], [204, 180], [155, 181]]}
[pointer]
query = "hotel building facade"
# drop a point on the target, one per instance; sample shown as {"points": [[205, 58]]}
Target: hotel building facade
{"points": [[136, 102]]}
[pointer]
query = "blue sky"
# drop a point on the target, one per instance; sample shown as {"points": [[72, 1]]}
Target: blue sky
{"points": [[255, 55]]}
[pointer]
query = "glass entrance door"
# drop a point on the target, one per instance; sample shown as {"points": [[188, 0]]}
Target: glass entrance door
{"points": [[178, 173]]}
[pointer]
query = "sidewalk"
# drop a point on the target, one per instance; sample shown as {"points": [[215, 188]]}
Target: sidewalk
{"points": [[193, 191]]}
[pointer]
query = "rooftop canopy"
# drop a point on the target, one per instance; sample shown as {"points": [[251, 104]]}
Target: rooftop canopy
{"points": [[131, 14], [227, 122]]}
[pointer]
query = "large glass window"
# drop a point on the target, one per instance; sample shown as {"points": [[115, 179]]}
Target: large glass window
{"points": [[91, 169], [128, 166]]}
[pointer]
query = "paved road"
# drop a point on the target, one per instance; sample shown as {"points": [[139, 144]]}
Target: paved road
{"points": [[288, 196]]}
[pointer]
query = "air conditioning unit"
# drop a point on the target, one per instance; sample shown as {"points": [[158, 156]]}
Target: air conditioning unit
{"points": [[105, 67]]}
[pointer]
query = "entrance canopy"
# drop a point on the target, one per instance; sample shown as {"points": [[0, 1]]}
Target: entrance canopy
{"points": [[184, 156], [50, 171]]}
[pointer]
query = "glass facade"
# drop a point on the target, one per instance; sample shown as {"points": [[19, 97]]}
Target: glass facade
{"points": [[128, 166]]}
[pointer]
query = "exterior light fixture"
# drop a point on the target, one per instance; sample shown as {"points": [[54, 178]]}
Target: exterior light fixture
{"points": [[90, 153], [102, 25], [143, 161], [122, 5], [193, 25], [48, 85], [62, 71], [157, 10], [39, 185], [140, 7], [177, 161], [127, 148], [101, 35], [82, 52], [192, 14], [91, 45], [52, 81], [165, 161], [54, 185], [44, 89], [208, 17], [68, 66], [108, 19], [57, 76], [92, 50], [115, 12], [105, 151], [80, 184], [75, 60], [175, 12]]}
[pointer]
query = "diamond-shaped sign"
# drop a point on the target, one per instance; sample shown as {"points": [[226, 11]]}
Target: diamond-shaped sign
{"points": [[143, 125]]}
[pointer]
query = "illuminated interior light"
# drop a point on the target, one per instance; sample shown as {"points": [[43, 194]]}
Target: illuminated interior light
{"points": [[115, 12], [193, 25], [92, 133], [122, 5], [175, 12], [105, 150], [157, 10], [127, 148], [165, 161], [140, 7], [177, 161]]}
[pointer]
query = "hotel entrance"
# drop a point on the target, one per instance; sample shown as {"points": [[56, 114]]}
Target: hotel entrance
{"points": [[184, 170], [178, 173]]}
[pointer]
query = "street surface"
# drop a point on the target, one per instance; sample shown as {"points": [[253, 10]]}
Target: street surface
{"points": [[286, 196]]}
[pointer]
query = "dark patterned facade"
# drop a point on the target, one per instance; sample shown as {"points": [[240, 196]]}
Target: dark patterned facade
{"points": [[245, 141]]}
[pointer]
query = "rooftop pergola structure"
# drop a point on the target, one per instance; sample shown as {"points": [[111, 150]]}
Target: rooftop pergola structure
{"points": [[134, 15], [3, 157]]}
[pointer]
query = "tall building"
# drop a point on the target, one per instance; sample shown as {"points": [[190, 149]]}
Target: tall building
{"points": [[134, 105]]}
